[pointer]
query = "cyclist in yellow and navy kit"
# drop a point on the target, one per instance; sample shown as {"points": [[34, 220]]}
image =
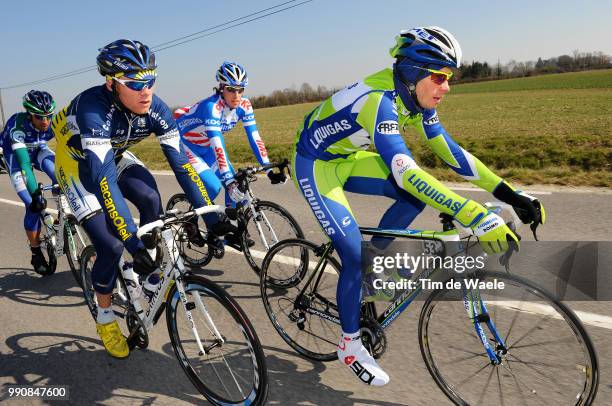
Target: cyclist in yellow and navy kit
{"points": [[98, 174], [330, 156], [24, 144]]}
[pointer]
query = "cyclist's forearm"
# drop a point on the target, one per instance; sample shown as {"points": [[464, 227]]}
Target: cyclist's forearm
{"points": [[432, 192], [257, 144], [23, 158], [186, 175], [458, 159]]}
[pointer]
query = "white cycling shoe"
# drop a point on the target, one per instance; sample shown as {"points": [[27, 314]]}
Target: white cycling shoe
{"points": [[353, 354]]}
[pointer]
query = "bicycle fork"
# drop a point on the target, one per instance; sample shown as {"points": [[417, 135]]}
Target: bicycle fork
{"points": [[258, 216], [479, 315], [175, 258]]}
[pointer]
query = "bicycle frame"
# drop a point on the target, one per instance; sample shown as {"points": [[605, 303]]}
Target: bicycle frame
{"points": [[474, 305], [172, 275], [250, 199], [63, 210]]}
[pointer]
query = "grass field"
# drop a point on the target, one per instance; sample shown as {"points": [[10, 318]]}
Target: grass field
{"points": [[554, 129]]}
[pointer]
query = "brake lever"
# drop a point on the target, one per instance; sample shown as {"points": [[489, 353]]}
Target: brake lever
{"points": [[504, 259], [534, 226]]}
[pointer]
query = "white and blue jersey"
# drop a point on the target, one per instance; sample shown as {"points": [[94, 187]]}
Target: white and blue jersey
{"points": [[202, 126], [25, 148]]}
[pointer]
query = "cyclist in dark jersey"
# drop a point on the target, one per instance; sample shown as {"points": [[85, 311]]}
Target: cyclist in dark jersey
{"points": [[98, 174], [24, 144]]}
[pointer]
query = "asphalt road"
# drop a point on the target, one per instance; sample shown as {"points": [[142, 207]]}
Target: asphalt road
{"points": [[47, 336]]}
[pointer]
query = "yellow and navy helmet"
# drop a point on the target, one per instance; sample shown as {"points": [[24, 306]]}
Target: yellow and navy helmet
{"points": [[125, 56]]}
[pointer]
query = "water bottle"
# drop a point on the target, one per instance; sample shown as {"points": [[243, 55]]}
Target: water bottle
{"points": [[49, 221], [131, 280], [151, 284]]}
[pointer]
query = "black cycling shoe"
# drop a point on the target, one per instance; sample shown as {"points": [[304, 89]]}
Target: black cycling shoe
{"points": [[193, 234], [233, 241], [39, 262]]}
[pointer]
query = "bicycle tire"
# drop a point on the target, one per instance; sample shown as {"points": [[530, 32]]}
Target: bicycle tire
{"points": [[263, 205], [48, 249], [295, 325], [85, 264], [220, 303], [73, 247], [591, 378], [192, 255]]}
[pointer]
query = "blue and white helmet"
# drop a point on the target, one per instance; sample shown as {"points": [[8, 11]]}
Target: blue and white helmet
{"points": [[131, 58], [428, 46], [232, 74], [421, 47]]}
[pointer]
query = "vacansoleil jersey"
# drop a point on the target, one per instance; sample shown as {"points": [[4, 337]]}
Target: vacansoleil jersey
{"points": [[366, 113], [93, 131], [203, 124]]}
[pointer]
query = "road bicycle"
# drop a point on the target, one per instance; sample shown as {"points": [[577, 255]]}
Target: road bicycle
{"points": [[212, 337], [261, 223], [517, 345], [62, 235]]}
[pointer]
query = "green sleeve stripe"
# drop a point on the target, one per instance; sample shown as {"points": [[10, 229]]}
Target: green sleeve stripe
{"points": [[23, 158]]}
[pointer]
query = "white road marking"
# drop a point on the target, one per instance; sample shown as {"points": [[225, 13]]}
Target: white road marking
{"points": [[593, 319]]}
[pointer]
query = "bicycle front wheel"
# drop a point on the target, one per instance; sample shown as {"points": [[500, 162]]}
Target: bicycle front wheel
{"points": [[75, 241], [269, 224], [304, 310], [232, 368], [47, 245], [545, 356]]}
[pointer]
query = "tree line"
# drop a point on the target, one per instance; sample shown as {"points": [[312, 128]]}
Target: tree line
{"points": [[468, 72], [476, 71]]}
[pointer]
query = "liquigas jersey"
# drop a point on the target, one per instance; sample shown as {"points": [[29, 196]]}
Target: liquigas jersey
{"points": [[366, 113]]}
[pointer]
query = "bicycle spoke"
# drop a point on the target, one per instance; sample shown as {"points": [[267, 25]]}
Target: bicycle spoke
{"points": [[486, 385], [531, 366], [515, 318], [520, 382], [499, 387], [543, 321], [568, 339], [473, 375]]}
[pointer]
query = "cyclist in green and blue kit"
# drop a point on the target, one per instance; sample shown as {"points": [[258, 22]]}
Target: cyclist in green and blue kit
{"points": [[330, 156]]}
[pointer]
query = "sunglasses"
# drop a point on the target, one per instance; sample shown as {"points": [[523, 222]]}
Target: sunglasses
{"points": [[136, 85], [42, 118], [234, 89], [437, 76]]}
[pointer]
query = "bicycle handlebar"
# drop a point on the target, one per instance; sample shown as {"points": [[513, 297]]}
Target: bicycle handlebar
{"points": [[252, 170], [173, 215]]}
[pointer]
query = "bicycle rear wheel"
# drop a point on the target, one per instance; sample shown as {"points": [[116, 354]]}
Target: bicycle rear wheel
{"points": [[550, 358], [232, 370], [304, 311], [191, 253], [271, 224]]}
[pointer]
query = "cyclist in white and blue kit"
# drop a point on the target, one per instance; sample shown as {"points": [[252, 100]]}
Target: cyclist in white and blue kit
{"points": [[203, 125], [24, 144]]}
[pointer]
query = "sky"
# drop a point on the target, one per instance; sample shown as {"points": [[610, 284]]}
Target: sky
{"points": [[330, 43]]}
